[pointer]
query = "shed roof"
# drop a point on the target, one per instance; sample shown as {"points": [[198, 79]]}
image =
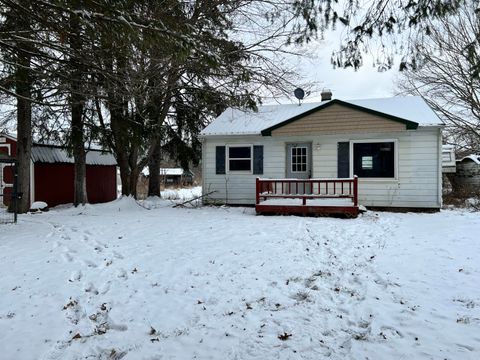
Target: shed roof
{"points": [[475, 158], [411, 110], [56, 154]]}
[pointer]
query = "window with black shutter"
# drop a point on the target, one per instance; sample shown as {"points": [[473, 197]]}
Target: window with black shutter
{"points": [[343, 159], [220, 160], [239, 158], [258, 159]]}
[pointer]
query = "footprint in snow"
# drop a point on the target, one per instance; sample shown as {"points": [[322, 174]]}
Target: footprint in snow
{"points": [[466, 347], [117, 255], [75, 276], [388, 332], [90, 288], [122, 274], [105, 288], [89, 263], [67, 257]]}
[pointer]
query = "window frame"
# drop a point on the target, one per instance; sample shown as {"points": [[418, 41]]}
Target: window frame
{"points": [[227, 159], [395, 158], [306, 159]]}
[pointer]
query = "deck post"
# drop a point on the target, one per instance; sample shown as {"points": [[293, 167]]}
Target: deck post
{"points": [[355, 190], [257, 186]]}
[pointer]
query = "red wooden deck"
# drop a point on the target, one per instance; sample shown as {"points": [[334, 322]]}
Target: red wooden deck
{"points": [[307, 196]]}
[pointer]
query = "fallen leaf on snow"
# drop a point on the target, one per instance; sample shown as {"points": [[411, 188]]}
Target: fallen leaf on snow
{"points": [[284, 336]]}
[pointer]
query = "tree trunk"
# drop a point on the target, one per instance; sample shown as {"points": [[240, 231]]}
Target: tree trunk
{"points": [[24, 135], [23, 83], [133, 181], [79, 154], [154, 170], [77, 100]]}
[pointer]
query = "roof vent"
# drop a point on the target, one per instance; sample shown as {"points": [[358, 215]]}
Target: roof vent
{"points": [[326, 94]]}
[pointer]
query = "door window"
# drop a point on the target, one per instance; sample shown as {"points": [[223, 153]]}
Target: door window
{"points": [[299, 159]]}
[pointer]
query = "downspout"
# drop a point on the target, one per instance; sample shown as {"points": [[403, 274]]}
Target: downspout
{"points": [[204, 151]]}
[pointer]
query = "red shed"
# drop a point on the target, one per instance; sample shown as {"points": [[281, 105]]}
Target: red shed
{"points": [[8, 147], [52, 179]]}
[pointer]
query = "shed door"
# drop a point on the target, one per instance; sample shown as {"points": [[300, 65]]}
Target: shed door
{"points": [[299, 163], [6, 177]]}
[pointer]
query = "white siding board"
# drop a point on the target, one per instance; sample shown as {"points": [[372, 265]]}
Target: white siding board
{"points": [[418, 163]]}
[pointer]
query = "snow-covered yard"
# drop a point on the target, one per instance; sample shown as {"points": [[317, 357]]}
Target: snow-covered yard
{"points": [[118, 281]]}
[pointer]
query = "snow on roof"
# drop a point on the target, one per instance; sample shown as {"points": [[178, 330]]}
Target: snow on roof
{"points": [[248, 122], [55, 154], [475, 158], [167, 171], [8, 135], [412, 108]]}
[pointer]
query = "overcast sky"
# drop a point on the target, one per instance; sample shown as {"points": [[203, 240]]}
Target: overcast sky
{"points": [[345, 84]]}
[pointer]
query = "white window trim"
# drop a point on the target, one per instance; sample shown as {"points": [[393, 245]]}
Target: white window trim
{"points": [[9, 149], [291, 159], [376, 179], [227, 159], [4, 165]]}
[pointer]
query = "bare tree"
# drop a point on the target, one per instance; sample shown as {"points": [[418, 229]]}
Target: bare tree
{"points": [[19, 81], [443, 76], [386, 29], [162, 88]]}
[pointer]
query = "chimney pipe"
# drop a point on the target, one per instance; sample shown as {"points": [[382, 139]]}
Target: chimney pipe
{"points": [[326, 94]]}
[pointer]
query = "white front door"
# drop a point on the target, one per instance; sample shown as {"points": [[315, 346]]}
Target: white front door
{"points": [[299, 164]]}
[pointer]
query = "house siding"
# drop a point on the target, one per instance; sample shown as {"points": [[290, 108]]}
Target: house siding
{"points": [[338, 119], [417, 184]]}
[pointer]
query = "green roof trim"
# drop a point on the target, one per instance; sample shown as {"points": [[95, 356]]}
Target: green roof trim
{"points": [[410, 125]]}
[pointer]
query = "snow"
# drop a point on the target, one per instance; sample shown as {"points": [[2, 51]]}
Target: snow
{"points": [[38, 205], [182, 193], [309, 202], [165, 171], [118, 281], [248, 122], [473, 157], [170, 196], [412, 108]]}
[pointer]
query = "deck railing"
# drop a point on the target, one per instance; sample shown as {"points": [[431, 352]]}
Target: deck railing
{"points": [[307, 189]]}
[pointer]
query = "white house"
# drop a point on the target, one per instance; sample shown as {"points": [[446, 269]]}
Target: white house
{"points": [[393, 145]]}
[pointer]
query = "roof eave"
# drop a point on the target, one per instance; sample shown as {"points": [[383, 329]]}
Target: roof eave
{"points": [[202, 136]]}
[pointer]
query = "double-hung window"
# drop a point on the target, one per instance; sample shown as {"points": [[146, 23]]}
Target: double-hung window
{"points": [[374, 159], [239, 158]]}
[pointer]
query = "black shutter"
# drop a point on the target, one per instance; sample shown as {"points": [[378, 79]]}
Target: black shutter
{"points": [[220, 159], [343, 160], [258, 159]]}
